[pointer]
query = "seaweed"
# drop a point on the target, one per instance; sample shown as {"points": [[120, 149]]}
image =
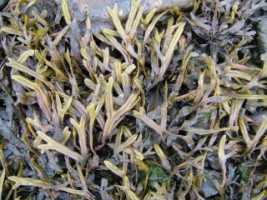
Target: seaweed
{"points": [[160, 107]]}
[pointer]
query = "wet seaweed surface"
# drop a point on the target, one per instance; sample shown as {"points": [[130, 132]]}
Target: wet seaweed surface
{"points": [[168, 105]]}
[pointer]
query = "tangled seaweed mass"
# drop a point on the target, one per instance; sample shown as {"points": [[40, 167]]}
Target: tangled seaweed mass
{"points": [[168, 105]]}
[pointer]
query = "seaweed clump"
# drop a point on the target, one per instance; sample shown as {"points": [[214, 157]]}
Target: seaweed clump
{"points": [[161, 107]]}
